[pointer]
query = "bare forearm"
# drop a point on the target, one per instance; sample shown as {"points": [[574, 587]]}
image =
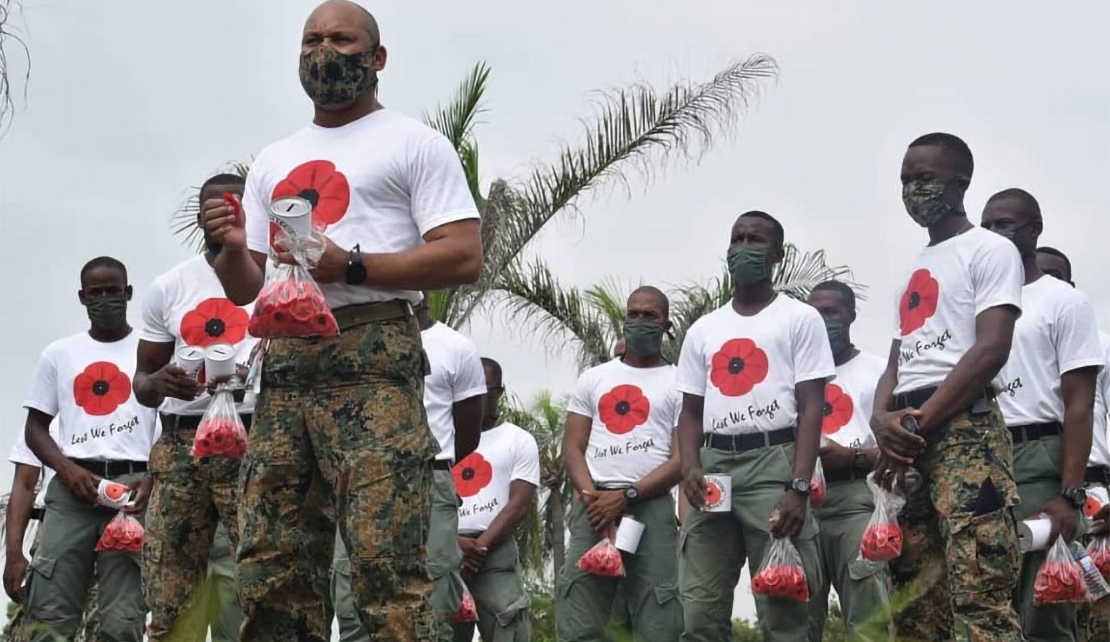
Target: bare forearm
{"points": [[1078, 422], [505, 524], [660, 480], [144, 392], [17, 518], [966, 383], [240, 274], [690, 436], [884, 391], [430, 266], [578, 471], [807, 444]]}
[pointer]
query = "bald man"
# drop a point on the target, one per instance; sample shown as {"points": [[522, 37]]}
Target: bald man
{"points": [[342, 417]]}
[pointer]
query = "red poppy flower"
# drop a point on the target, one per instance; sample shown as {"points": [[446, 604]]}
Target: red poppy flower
{"points": [[919, 302], [623, 408], [319, 183], [713, 493], [838, 409], [472, 474], [738, 366], [101, 388], [214, 320]]}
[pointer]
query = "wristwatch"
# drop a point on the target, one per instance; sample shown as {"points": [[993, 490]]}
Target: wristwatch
{"points": [[1077, 497], [800, 486], [356, 271], [631, 494]]}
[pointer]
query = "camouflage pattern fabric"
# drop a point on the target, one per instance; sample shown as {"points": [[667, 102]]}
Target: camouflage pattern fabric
{"points": [[190, 497], [341, 418], [959, 556]]}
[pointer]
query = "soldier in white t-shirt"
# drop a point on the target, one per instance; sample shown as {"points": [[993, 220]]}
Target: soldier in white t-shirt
{"points": [[752, 374], [103, 433], [848, 453], [619, 453], [1047, 398], [954, 322], [497, 484], [345, 413]]}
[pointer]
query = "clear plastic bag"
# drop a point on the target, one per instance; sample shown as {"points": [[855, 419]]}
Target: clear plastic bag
{"points": [[882, 539], [781, 574], [123, 534], [468, 610], [290, 303], [221, 432], [817, 487], [1059, 579], [1099, 551], [603, 559]]}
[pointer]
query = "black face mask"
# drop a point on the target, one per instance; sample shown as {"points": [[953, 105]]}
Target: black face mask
{"points": [[107, 312]]}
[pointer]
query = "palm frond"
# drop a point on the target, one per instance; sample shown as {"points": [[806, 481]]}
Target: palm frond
{"points": [[456, 121], [184, 219], [8, 34], [609, 298], [799, 272]]}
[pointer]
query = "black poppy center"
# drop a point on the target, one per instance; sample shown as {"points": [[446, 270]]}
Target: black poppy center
{"points": [[100, 387], [915, 300], [735, 365], [310, 195], [468, 474], [214, 327], [623, 407], [827, 409]]}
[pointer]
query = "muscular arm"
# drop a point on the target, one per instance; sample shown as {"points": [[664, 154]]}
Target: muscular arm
{"points": [[521, 496], [810, 399], [467, 417], [241, 272], [1077, 387], [151, 358], [37, 434], [884, 390], [450, 255], [20, 502], [576, 437], [994, 331], [664, 477], [690, 433]]}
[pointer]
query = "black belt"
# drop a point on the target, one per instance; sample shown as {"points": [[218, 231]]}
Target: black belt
{"points": [[472, 534], [441, 464], [852, 473], [1097, 475], [110, 469], [190, 422], [917, 398], [749, 441], [1033, 432], [38, 513], [350, 316]]}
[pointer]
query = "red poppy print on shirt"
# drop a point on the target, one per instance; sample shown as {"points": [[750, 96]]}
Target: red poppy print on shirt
{"points": [[737, 367], [319, 183], [101, 388], [472, 474], [623, 408], [838, 409], [919, 302], [214, 321]]}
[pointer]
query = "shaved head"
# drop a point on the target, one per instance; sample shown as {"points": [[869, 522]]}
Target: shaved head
{"points": [[654, 294], [349, 13]]}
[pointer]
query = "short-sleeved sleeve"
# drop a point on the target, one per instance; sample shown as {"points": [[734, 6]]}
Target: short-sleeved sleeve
{"points": [[438, 188], [812, 353], [526, 464], [691, 375], [42, 395], [1076, 335], [997, 276], [582, 401], [155, 328], [21, 453], [256, 209], [470, 376]]}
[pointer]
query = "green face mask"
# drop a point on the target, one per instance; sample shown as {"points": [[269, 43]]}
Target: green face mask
{"points": [[748, 265], [107, 312], [643, 338], [838, 335], [924, 201]]}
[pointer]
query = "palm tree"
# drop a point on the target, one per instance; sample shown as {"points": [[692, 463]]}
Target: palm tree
{"points": [[7, 7]]}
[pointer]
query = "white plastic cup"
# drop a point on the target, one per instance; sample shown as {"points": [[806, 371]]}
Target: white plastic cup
{"points": [[190, 359], [293, 215], [628, 535], [723, 485], [1033, 533], [113, 494], [219, 362]]}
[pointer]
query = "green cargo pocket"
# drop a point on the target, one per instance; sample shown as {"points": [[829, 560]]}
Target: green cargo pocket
{"points": [[664, 593], [862, 569], [506, 618], [44, 566]]}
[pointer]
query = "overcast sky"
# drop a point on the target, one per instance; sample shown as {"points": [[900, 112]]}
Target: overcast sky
{"points": [[130, 103]]}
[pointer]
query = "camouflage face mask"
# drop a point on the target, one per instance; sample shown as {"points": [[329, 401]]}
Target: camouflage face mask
{"points": [[331, 78], [924, 201]]}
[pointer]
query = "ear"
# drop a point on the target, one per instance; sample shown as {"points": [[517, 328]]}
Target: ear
{"points": [[667, 325], [852, 318], [778, 255], [380, 57], [81, 296], [1038, 227], [129, 292], [963, 182]]}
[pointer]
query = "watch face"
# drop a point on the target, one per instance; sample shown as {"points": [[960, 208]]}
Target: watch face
{"points": [[800, 485]]}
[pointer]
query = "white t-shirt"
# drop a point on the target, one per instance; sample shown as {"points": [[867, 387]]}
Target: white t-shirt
{"points": [[86, 384], [849, 401], [457, 375], [746, 367], [505, 453], [1056, 333], [187, 306], [21, 454], [382, 182], [634, 413], [1100, 444], [948, 286]]}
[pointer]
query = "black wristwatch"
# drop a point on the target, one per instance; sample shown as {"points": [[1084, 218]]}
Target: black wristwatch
{"points": [[631, 495], [356, 271], [800, 486], [1077, 497]]}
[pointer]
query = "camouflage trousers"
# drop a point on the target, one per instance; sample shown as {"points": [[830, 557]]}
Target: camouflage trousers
{"points": [[960, 561], [191, 496], [339, 436]]}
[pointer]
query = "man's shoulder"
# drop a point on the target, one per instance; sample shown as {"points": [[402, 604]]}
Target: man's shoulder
{"points": [[443, 336], [66, 344], [516, 432], [866, 362], [982, 244], [178, 272]]}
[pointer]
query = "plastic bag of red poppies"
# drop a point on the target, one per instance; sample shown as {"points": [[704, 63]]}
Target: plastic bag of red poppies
{"points": [[882, 539], [817, 488], [1060, 578], [123, 534], [221, 432], [603, 559], [781, 574], [1099, 551], [468, 610], [290, 303]]}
